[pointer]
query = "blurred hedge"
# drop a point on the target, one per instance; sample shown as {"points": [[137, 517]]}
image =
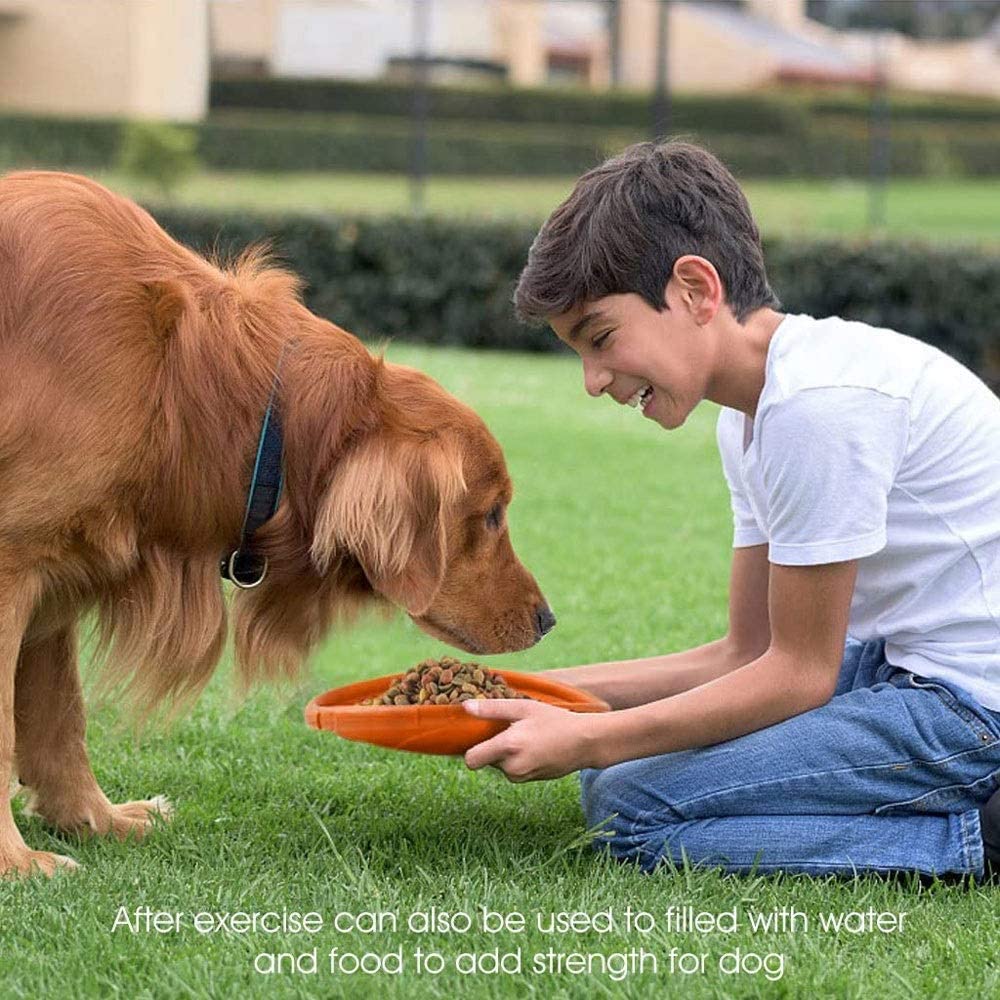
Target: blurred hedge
{"points": [[738, 114], [27, 140], [795, 132], [450, 282], [776, 112], [273, 141], [908, 107], [276, 142]]}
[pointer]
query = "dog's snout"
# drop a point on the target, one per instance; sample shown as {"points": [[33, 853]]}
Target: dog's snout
{"points": [[544, 620]]}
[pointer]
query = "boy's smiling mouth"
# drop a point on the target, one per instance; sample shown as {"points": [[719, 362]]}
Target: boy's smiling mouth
{"points": [[641, 397]]}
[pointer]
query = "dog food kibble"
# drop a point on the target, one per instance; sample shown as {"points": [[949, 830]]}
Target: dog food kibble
{"points": [[444, 682]]}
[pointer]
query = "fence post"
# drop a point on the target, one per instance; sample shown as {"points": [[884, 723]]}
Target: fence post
{"points": [[878, 138], [421, 102], [661, 95]]}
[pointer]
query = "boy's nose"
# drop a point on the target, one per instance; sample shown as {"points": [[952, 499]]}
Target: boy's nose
{"points": [[595, 380]]}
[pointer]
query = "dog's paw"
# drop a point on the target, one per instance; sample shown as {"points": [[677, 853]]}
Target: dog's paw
{"points": [[135, 819], [24, 861], [129, 819]]}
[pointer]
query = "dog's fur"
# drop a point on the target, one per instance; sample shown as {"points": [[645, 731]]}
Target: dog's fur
{"points": [[135, 376]]}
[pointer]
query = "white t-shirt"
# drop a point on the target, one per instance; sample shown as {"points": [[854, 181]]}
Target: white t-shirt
{"points": [[873, 446]]}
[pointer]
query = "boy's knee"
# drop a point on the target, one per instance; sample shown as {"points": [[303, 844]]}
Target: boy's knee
{"points": [[641, 793], [600, 803], [613, 801], [614, 821], [593, 795]]}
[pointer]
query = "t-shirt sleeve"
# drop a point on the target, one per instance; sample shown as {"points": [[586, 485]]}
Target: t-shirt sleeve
{"points": [[828, 458], [728, 434]]}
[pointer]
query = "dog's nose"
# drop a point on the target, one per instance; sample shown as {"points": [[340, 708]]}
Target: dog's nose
{"points": [[544, 620]]}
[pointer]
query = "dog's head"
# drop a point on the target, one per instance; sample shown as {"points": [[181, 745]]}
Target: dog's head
{"points": [[421, 503]]}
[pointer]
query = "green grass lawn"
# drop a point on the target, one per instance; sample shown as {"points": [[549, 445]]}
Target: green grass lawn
{"points": [[936, 210], [627, 530]]}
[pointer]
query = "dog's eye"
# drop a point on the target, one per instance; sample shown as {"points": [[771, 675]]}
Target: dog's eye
{"points": [[494, 517]]}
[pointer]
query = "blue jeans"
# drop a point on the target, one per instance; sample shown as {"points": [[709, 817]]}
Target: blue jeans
{"points": [[888, 775]]}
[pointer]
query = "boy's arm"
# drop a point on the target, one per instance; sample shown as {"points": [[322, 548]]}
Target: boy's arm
{"points": [[809, 607], [627, 683]]}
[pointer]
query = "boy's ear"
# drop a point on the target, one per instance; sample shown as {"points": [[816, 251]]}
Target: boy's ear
{"points": [[698, 286]]}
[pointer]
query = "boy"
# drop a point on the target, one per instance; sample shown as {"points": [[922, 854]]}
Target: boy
{"points": [[850, 718]]}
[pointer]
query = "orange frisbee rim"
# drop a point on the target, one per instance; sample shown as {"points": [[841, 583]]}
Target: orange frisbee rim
{"points": [[432, 729]]}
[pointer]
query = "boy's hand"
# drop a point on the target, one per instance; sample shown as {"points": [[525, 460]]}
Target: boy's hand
{"points": [[542, 741]]}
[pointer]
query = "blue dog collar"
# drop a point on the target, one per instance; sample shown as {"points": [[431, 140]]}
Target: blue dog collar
{"points": [[245, 568]]}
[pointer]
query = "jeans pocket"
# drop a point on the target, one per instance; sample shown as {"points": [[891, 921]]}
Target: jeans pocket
{"points": [[963, 773], [985, 725]]}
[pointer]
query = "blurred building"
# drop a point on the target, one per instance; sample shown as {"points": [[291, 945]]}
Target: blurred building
{"points": [[719, 48], [364, 39], [128, 58], [151, 58], [965, 66], [712, 46]]}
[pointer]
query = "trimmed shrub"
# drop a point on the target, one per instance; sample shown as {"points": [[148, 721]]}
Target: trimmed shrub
{"points": [[923, 109], [158, 153], [58, 142], [273, 141], [736, 113]]}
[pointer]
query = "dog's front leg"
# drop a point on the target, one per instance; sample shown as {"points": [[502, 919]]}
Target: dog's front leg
{"points": [[51, 750], [16, 858]]}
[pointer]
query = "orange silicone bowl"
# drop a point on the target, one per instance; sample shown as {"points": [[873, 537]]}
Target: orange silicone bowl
{"points": [[440, 729]]}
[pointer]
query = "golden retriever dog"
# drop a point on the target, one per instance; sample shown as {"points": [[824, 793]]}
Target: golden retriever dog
{"points": [[135, 379]]}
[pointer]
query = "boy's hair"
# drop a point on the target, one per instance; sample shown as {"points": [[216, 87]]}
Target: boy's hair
{"points": [[627, 222]]}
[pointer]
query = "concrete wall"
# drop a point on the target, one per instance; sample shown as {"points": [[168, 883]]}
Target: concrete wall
{"points": [[355, 38], [169, 59], [150, 58], [968, 66], [961, 67], [698, 57], [135, 58], [519, 42], [244, 30]]}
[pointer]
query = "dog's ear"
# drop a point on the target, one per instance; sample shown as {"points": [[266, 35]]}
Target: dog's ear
{"points": [[386, 505], [168, 303]]}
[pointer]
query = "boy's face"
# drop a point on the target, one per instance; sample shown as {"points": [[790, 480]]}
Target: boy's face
{"points": [[660, 362]]}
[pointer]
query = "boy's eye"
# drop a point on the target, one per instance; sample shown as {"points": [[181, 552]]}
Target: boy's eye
{"points": [[598, 342]]}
